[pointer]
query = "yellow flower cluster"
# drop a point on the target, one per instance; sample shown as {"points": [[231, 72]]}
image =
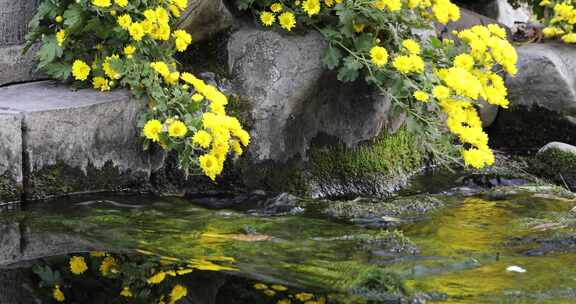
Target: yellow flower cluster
{"points": [[286, 20], [443, 11], [563, 20], [471, 77], [220, 134]]}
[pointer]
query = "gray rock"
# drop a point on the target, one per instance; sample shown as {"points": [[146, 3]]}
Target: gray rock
{"points": [[501, 10], [546, 73], [14, 19], [278, 75], [566, 148], [76, 141], [294, 104], [10, 156], [542, 98], [293, 99], [204, 18]]}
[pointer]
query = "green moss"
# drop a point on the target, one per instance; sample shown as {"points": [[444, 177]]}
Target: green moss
{"points": [[61, 179], [391, 155]]}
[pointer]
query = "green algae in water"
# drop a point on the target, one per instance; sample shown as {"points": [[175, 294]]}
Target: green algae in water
{"points": [[463, 249], [472, 245]]}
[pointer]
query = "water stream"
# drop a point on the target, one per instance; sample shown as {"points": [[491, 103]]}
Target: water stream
{"points": [[517, 248]]}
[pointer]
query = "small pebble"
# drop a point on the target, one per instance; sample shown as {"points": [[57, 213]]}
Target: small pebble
{"points": [[516, 269]]}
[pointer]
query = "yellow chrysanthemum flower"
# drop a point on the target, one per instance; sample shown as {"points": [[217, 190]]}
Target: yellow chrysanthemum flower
{"points": [[464, 61], [441, 92], [58, 19], [101, 3], [152, 130], [57, 294], [276, 7], [183, 40], [126, 292], [78, 265], [121, 3], [80, 70], [379, 56], [202, 139], [61, 37], [107, 265], [311, 7], [411, 46], [421, 96], [177, 129], [101, 83], [267, 18], [197, 97], [124, 21], [236, 147], [287, 21], [136, 31], [209, 165], [129, 50]]}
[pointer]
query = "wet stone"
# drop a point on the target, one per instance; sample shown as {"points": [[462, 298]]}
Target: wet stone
{"points": [[77, 141]]}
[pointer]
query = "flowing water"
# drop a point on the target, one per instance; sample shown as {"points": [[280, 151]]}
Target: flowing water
{"points": [[513, 248]]}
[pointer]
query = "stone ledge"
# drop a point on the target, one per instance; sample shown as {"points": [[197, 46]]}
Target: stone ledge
{"points": [[71, 141]]}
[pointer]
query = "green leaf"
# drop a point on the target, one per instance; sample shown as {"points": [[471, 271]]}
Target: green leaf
{"points": [[73, 16], [332, 57], [435, 42], [58, 70], [364, 43], [49, 51], [346, 74]]}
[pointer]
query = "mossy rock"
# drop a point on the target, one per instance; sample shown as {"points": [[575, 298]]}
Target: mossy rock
{"points": [[556, 164], [377, 168]]}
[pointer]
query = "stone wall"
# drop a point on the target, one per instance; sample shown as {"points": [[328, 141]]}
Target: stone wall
{"points": [[14, 19]]}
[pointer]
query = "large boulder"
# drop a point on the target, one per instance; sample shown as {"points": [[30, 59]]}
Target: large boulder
{"points": [[74, 141], [542, 99], [14, 18], [204, 18], [294, 106]]}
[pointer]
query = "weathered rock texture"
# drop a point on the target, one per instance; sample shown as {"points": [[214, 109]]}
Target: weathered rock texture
{"points": [[74, 141], [14, 19], [10, 156], [204, 18], [294, 102], [542, 99]]}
